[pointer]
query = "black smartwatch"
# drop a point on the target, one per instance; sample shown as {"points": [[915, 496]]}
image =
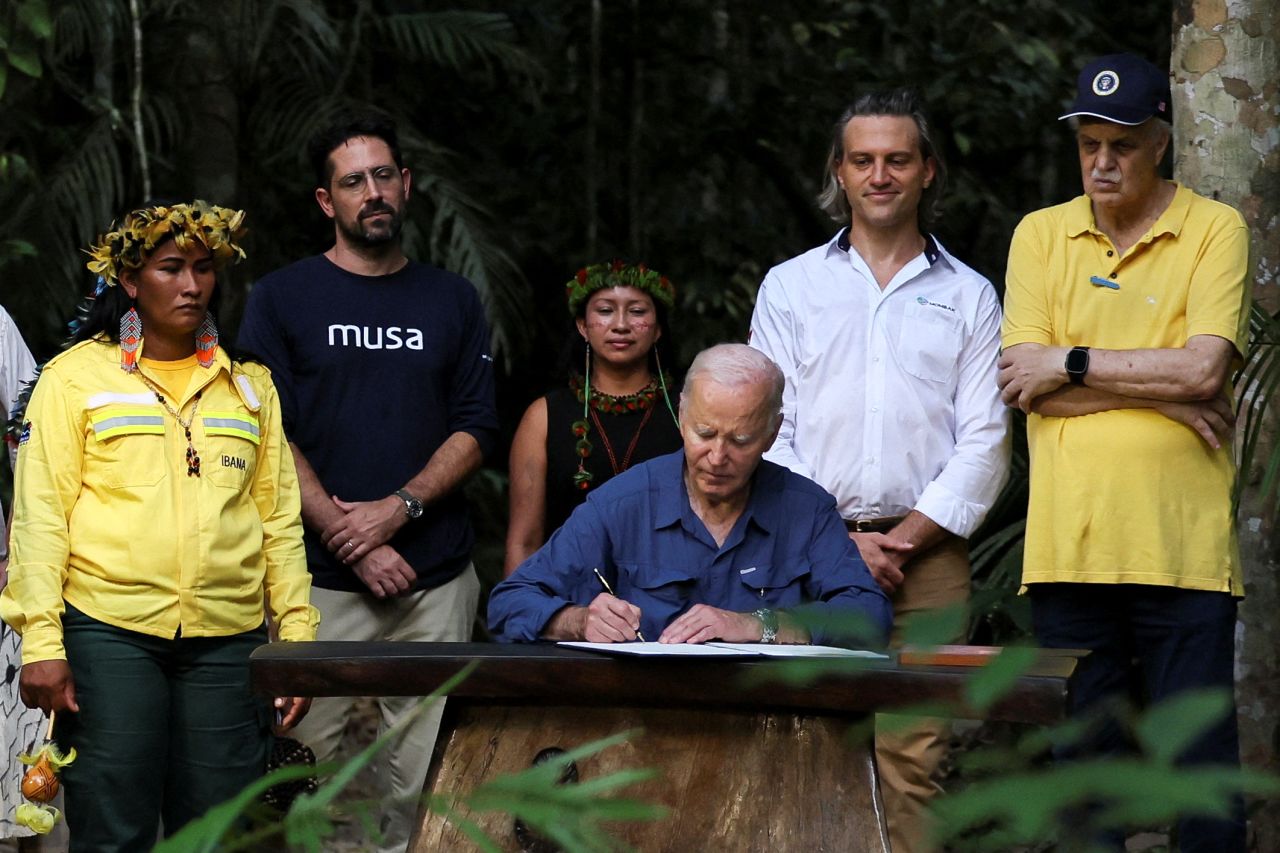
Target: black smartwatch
{"points": [[1077, 364]]}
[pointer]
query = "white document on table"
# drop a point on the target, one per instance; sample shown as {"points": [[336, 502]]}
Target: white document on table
{"points": [[721, 650], [790, 651]]}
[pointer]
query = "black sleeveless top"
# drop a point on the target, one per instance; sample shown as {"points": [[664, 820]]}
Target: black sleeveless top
{"points": [[659, 436]]}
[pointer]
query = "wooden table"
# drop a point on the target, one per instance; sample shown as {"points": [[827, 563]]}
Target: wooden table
{"points": [[746, 762]]}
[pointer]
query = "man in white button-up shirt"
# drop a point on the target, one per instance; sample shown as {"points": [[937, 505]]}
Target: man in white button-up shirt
{"points": [[889, 348]]}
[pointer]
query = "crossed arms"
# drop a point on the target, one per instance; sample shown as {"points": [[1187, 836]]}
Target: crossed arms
{"points": [[1186, 384]]}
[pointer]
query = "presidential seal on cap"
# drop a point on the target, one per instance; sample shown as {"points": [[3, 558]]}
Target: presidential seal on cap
{"points": [[1122, 88]]}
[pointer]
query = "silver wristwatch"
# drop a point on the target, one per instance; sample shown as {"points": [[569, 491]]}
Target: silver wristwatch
{"points": [[412, 506], [768, 625]]}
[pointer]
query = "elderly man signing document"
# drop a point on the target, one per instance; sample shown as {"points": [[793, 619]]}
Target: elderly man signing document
{"points": [[710, 543]]}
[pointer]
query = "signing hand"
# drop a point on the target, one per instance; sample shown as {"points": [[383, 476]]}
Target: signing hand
{"points": [[610, 620], [48, 685], [702, 622], [363, 526], [1029, 370], [1212, 419], [385, 572], [885, 555], [292, 709]]}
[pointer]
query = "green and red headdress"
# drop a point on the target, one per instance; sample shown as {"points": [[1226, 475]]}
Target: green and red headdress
{"points": [[618, 274]]}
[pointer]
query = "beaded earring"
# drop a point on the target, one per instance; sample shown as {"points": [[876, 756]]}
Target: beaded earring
{"points": [[206, 341], [130, 340], [582, 478], [662, 380]]}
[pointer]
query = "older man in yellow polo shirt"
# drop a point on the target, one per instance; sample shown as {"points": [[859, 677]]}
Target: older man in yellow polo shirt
{"points": [[1125, 312]]}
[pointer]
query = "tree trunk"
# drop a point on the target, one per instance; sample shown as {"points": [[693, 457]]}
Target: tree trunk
{"points": [[1226, 93], [207, 162]]}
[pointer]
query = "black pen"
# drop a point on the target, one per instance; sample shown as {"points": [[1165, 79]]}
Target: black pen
{"points": [[609, 590]]}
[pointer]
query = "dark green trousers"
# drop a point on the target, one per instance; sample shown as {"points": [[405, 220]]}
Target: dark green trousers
{"points": [[166, 729]]}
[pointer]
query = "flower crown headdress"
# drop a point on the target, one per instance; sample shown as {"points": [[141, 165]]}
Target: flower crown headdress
{"points": [[126, 248], [618, 274]]}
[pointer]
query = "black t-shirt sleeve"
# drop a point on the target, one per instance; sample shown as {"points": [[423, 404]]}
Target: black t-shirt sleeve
{"points": [[262, 336], [472, 408]]}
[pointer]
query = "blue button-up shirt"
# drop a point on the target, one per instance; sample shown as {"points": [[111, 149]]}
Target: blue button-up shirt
{"points": [[789, 548]]}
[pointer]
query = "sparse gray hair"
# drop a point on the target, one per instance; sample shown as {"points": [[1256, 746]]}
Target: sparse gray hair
{"points": [[1154, 128], [736, 365], [1153, 124], [896, 102]]}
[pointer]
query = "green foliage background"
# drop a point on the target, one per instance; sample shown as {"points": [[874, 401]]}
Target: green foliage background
{"points": [[543, 136], [549, 134], [710, 128]]}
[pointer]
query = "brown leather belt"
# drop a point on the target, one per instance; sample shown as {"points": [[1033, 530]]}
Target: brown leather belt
{"points": [[874, 525]]}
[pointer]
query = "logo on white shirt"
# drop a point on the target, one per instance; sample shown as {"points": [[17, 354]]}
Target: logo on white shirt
{"points": [[924, 301]]}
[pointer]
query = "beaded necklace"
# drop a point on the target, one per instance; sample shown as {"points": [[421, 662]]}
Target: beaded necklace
{"points": [[193, 457], [642, 400], [611, 405]]}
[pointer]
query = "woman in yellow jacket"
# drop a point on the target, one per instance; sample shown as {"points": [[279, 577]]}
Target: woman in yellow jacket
{"points": [[156, 505]]}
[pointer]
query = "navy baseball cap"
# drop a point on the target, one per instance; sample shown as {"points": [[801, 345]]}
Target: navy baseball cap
{"points": [[1123, 88]]}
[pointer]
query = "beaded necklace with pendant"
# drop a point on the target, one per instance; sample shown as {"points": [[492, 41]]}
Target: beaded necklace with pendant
{"points": [[193, 457]]}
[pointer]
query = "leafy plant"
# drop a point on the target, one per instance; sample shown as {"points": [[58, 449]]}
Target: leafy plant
{"points": [[570, 815], [1258, 385], [23, 25], [225, 104], [1017, 798]]}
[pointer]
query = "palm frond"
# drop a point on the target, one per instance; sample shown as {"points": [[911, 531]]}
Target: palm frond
{"points": [[88, 186], [283, 118], [161, 125], [462, 237], [458, 40], [80, 25], [1258, 385], [299, 27], [78, 194]]}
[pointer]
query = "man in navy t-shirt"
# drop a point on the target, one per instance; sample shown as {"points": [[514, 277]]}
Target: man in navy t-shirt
{"points": [[386, 385]]}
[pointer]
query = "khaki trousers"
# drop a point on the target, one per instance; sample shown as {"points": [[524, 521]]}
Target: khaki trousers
{"points": [[442, 614], [909, 749]]}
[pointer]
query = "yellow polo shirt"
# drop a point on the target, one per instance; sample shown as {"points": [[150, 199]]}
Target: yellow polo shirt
{"points": [[1129, 496], [107, 519]]}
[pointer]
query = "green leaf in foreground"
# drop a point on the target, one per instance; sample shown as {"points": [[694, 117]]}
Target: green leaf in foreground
{"points": [[568, 815], [205, 834], [1027, 807], [308, 822], [935, 627], [990, 683], [1170, 727]]}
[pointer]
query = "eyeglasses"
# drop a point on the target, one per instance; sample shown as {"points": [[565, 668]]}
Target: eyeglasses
{"points": [[383, 177]]}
